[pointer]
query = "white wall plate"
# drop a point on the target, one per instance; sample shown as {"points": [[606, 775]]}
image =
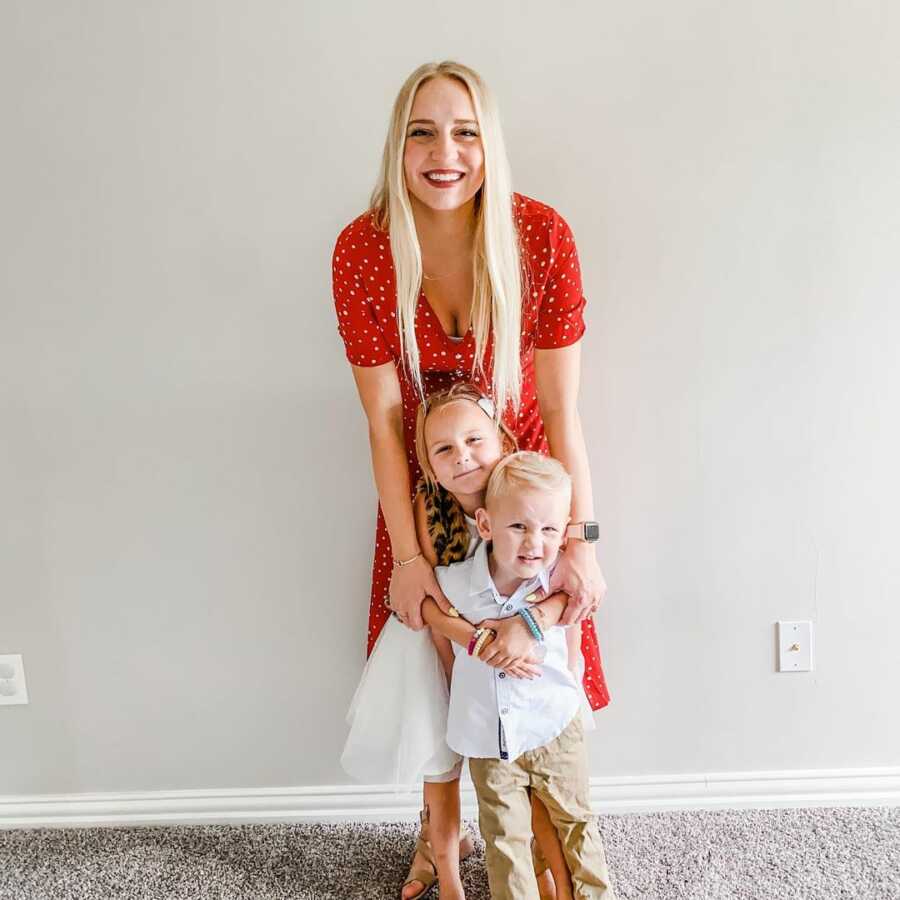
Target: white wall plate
{"points": [[795, 647], [12, 680]]}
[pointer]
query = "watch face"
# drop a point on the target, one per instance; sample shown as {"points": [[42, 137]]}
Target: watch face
{"points": [[591, 531]]}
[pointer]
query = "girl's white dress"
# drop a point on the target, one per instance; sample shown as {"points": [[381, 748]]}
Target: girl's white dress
{"points": [[398, 715]]}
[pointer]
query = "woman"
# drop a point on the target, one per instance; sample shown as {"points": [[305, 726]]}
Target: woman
{"points": [[450, 276]]}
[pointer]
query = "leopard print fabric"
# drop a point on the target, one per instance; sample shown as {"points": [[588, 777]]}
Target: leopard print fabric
{"points": [[446, 523]]}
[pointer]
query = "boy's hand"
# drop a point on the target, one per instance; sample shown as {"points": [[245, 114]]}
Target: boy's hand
{"points": [[513, 644]]}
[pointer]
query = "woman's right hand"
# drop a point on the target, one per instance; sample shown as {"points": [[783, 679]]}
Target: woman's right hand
{"points": [[410, 585]]}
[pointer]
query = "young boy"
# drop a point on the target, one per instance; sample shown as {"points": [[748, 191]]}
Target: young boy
{"points": [[521, 735]]}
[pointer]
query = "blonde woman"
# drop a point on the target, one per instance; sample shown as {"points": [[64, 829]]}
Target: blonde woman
{"points": [[451, 276]]}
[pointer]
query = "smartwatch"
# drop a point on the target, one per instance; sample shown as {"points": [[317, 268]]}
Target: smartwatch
{"points": [[589, 532]]}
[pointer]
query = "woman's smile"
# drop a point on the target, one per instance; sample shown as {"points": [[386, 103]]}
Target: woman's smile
{"points": [[443, 178]]}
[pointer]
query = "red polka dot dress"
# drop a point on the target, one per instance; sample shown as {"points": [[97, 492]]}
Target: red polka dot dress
{"points": [[365, 303]]}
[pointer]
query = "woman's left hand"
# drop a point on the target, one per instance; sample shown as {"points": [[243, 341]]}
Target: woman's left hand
{"points": [[578, 574]]}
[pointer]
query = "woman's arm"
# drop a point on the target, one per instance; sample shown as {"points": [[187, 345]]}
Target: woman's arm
{"points": [[379, 392], [557, 373]]}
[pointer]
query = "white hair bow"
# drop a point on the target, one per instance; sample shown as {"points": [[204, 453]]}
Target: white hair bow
{"points": [[487, 405]]}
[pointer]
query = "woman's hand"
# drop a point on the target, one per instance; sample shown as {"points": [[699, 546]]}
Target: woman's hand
{"points": [[410, 585], [578, 574]]}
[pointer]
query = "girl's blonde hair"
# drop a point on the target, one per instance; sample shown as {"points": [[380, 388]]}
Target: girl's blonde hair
{"points": [[527, 469], [461, 391], [496, 266]]}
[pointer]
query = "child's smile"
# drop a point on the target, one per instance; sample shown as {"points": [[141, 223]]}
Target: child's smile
{"points": [[463, 446]]}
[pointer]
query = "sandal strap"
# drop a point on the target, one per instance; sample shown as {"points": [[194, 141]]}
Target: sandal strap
{"points": [[417, 873], [424, 847], [426, 875]]}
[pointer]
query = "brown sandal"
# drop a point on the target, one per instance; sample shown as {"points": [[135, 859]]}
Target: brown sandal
{"points": [[427, 874]]}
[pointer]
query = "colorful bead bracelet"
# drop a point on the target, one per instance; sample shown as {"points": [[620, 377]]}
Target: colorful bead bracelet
{"points": [[481, 637], [533, 627]]}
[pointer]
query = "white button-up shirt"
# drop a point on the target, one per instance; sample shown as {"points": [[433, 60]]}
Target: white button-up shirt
{"points": [[493, 715]]}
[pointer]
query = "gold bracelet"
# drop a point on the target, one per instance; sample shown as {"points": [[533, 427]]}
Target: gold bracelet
{"points": [[400, 563], [483, 640]]}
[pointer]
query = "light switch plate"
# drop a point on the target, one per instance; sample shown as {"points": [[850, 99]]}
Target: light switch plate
{"points": [[795, 651], [12, 680]]}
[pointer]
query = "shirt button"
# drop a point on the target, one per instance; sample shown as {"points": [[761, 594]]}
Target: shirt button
{"points": [[502, 675], [508, 607], [504, 711]]}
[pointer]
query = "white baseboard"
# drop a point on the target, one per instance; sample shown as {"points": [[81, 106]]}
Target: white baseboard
{"points": [[339, 803]]}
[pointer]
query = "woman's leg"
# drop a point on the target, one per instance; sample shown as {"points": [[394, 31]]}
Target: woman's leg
{"points": [[556, 882]]}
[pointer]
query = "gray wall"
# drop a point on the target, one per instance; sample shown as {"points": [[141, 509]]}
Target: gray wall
{"points": [[187, 502]]}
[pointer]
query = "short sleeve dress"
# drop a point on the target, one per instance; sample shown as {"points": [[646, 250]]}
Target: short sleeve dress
{"points": [[365, 304]]}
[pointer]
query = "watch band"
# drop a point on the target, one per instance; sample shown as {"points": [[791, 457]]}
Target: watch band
{"points": [[589, 532]]}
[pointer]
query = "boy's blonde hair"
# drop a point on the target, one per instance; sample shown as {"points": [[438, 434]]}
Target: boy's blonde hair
{"points": [[461, 391], [527, 469], [500, 278]]}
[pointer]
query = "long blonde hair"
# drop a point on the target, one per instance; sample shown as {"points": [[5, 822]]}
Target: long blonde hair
{"points": [[496, 265]]}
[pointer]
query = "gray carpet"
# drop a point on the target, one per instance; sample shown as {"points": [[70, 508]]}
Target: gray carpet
{"points": [[775, 854]]}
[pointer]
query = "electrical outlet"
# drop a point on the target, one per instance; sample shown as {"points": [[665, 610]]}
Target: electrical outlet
{"points": [[795, 647], [12, 680]]}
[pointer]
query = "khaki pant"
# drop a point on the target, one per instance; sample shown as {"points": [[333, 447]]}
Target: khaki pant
{"points": [[558, 774]]}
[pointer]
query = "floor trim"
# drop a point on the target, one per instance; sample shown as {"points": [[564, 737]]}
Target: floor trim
{"points": [[339, 803]]}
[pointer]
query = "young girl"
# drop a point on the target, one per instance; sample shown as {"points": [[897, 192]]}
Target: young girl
{"points": [[398, 715]]}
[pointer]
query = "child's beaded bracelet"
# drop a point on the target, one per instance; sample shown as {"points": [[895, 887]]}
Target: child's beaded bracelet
{"points": [[532, 624], [481, 637]]}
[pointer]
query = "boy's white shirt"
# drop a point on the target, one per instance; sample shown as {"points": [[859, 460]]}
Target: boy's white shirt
{"points": [[532, 712]]}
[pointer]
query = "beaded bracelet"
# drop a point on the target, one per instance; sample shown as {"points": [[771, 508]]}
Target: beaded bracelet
{"points": [[533, 627], [487, 635], [476, 634]]}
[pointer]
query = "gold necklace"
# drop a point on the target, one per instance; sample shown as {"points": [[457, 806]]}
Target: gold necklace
{"points": [[439, 277]]}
